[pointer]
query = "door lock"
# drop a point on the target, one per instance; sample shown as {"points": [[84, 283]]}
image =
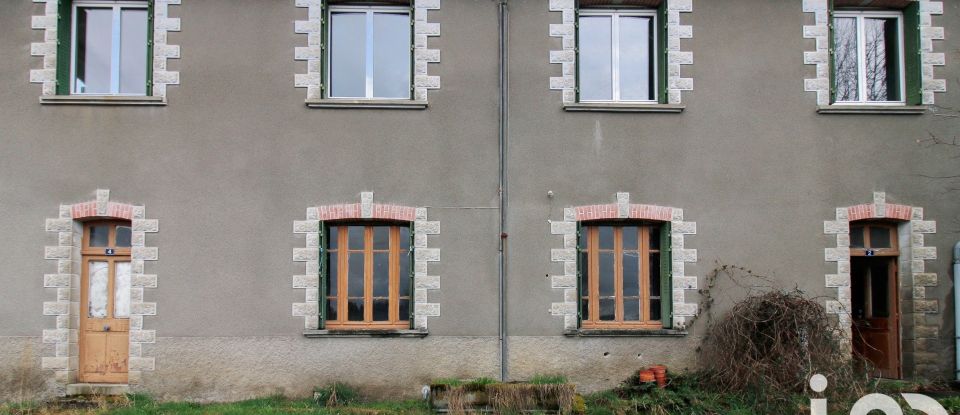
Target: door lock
{"points": [[106, 327]]}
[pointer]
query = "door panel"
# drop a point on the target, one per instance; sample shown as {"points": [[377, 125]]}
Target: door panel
{"points": [[876, 325], [104, 336]]}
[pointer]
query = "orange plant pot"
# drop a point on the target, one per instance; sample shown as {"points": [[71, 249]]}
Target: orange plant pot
{"points": [[647, 376]]}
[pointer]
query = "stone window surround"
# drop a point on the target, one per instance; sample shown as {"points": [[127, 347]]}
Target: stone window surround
{"points": [[567, 56], [622, 209], [65, 335], [47, 75], [365, 210], [820, 57], [913, 255], [423, 56]]}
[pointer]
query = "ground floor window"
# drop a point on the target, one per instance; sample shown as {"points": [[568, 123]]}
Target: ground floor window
{"points": [[366, 275], [624, 275]]}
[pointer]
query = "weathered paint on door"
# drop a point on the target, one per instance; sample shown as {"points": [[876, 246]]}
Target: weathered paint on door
{"points": [[105, 303], [876, 322]]}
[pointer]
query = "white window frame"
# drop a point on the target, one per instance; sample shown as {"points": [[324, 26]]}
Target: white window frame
{"points": [[370, 11], [114, 47], [615, 14], [861, 55]]}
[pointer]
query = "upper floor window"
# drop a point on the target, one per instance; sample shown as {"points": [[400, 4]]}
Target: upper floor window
{"points": [[618, 59], [624, 275], [110, 49], [370, 52], [868, 57], [366, 276]]}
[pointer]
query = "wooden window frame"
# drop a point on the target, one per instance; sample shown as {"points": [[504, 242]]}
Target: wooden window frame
{"points": [[397, 277], [893, 250], [590, 233]]}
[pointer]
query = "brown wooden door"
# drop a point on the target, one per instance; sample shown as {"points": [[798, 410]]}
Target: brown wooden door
{"points": [[105, 303], [876, 322]]}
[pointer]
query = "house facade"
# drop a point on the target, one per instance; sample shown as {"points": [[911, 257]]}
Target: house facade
{"points": [[215, 200]]}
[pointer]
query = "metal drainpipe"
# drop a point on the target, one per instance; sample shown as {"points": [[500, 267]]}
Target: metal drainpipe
{"points": [[502, 134], [956, 307]]}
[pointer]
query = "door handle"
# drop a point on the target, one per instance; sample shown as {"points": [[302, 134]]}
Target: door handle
{"points": [[106, 327]]}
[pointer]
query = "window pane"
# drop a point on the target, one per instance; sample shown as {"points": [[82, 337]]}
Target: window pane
{"points": [[355, 309], [121, 292], [98, 272], [845, 58], [630, 235], [94, 50], [606, 274], [655, 310], [608, 309], [123, 237], [606, 237], [333, 274], [882, 59], [631, 274], [99, 235], [856, 237], [348, 40], [880, 289], [332, 309], [404, 240], [355, 237], [333, 237], [654, 274], [631, 309], [636, 58], [391, 55], [133, 51], [654, 237], [404, 277], [404, 310], [355, 275], [596, 58], [381, 274], [381, 237], [381, 310], [879, 237]]}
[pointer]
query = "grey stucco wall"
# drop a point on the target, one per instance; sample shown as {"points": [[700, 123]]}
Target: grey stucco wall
{"points": [[236, 157]]}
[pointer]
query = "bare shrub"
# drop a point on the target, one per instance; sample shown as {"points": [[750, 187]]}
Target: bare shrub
{"points": [[772, 342]]}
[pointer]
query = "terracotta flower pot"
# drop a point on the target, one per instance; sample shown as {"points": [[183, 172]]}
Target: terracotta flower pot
{"points": [[647, 376]]}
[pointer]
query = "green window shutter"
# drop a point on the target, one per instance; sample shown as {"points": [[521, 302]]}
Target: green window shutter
{"points": [[411, 273], [150, 22], [576, 52], [830, 53], [666, 277], [324, 272], [64, 18], [323, 48], [912, 56], [580, 275], [662, 52]]}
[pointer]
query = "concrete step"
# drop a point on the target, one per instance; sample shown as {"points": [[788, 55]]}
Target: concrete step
{"points": [[101, 389]]}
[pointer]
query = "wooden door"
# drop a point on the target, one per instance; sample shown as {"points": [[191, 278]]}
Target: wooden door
{"points": [[105, 303], [876, 311]]}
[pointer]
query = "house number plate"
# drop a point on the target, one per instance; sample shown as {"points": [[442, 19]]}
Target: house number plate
{"points": [[870, 252], [109, 251]]}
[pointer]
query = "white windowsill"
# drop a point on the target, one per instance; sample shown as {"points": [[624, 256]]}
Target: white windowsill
{"points": [[622, 107], [872, 109], [102, 100], [406, 104], [365, 333]]}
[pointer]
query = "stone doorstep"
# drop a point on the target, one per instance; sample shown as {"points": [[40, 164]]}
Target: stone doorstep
{"points": [[101, 389]]}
